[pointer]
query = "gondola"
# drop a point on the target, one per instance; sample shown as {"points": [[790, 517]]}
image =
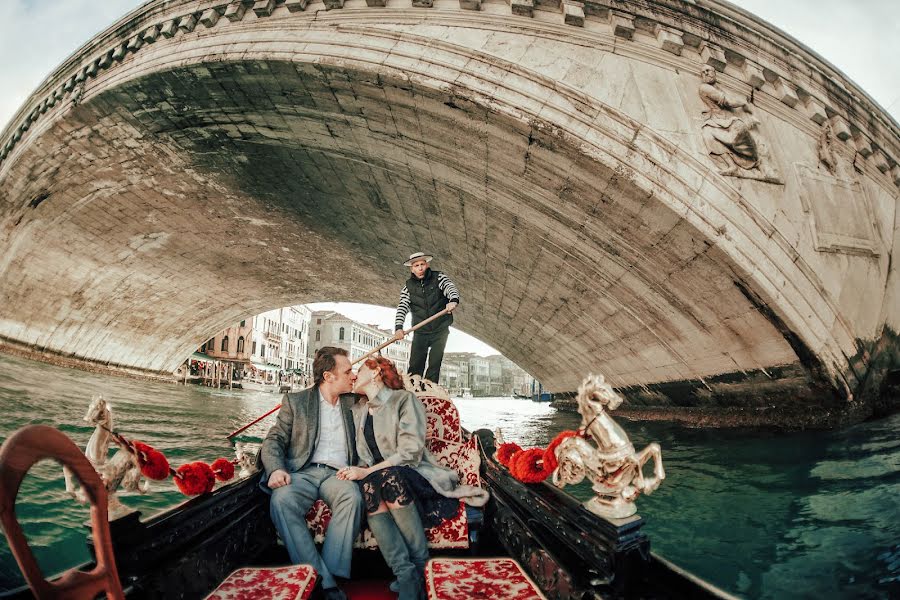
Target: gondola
{"points": [[563, 549]]}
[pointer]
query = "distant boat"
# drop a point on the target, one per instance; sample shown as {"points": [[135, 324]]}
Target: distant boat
{"points": [[254, 385], [542, 397]]}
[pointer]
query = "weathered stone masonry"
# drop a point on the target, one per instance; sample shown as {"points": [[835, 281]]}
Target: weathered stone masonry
{"points": [[563, 161]]}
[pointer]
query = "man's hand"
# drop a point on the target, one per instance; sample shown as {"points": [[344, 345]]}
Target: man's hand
{"points": [[451, 306], [352, 473], [398, 335], [279, 478]]}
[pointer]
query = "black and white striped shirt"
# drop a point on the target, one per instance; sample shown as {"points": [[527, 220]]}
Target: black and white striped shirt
{"points": [[447, 287]]}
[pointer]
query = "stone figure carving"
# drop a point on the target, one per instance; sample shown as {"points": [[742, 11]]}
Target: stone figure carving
{"points": [[613, 465], [730, 133], [122, 469], [825, 148], [246, 457]]}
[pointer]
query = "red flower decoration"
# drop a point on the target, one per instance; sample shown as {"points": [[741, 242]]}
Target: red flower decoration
{"points": [[528, 466], [195, 478], [550, 461], [506, 451], [223, 469], [154, 464]]}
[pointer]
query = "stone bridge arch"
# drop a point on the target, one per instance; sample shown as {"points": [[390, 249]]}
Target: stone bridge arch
{"points": [[198, 162]]}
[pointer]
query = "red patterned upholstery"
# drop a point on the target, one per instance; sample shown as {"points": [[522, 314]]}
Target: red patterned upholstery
{"points": [[443, 419], [294, 582], [444, 438], [470, 578]]}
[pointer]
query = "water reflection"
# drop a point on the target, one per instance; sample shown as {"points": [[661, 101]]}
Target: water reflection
{"points": [[761, 515]]}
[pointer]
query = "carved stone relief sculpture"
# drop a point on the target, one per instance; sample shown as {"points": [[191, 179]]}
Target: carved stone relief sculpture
{"points": [[825, 148], [731, 133]]}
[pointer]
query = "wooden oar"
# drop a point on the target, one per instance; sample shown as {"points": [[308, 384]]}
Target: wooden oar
{"points": [[392, 340], [360, 359]]}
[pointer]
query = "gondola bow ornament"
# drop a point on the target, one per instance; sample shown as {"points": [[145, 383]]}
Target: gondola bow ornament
{"points": [[610, 463]]}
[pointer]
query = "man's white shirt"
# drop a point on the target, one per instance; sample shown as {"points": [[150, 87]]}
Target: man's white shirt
{"points": [[331, 444]]}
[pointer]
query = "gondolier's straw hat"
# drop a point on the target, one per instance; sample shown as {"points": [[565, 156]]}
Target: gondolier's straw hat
{"points": [[416, 256]]}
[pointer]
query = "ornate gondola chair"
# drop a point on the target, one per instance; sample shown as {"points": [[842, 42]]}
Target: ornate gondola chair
{"points": [[446, 440], [34, 443]]}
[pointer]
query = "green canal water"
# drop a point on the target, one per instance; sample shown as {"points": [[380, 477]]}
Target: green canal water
{"points": [[804, 515]]}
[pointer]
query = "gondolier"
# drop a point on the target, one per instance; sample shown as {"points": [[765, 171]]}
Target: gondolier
{"points": [[426, 293]]}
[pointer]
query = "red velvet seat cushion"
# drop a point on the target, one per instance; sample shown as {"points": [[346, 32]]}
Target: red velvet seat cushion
{"points": [[471, 578], [293, 582]]}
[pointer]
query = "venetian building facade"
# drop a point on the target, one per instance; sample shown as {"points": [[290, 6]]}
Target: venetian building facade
{"points": [[275, 339], [329, 328]]}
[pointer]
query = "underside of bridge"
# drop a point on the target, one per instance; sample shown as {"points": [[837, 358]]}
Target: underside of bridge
{"points": [[202, 185]]}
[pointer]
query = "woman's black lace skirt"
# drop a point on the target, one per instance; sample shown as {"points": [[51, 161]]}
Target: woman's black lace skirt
{"points": [[403, 486]]}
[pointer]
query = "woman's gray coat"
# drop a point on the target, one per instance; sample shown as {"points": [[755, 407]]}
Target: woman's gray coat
{"points": [[399, 424]]}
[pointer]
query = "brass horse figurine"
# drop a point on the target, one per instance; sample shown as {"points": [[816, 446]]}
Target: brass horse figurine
{"points": [[613, 465], [122, 469]]}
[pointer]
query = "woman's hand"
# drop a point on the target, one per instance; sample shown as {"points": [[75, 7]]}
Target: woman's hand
{"points": [[353, 473]]}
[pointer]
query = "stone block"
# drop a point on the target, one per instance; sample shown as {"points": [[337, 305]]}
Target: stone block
{"points": [[713, 56], [416, 3], [881, 161], [573, 13], [523, 8], [150, 34], [841, 130], [105, 60], [596, 10], [753, 75], [298, 5], [236, 10], [263, 8], [815, 110], [119, 52], [168, 29], [187, 23], [134, 43], [623, 27], [784, 93], [209, 17], [863, 145], [93, 68], [470, 4], [895, 175], [80, 76], [670, 41]]}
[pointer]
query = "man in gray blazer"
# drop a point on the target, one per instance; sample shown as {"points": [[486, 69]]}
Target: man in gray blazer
{"points": [[313, 438]]}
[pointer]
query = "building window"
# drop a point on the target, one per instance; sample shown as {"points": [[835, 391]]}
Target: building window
{"points": [[225, 344], [262, 350], [318, 335], [341, 334], [254, 348], [242, 323], [318, 321], [240, 346]]}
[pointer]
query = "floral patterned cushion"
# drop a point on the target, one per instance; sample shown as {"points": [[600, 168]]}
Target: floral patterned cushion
{"points": [[467, 578], [463, 457], [294, 582], [442, 419]]}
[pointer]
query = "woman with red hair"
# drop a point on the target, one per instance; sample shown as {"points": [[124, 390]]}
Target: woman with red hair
{"points": [[404, 488]]}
